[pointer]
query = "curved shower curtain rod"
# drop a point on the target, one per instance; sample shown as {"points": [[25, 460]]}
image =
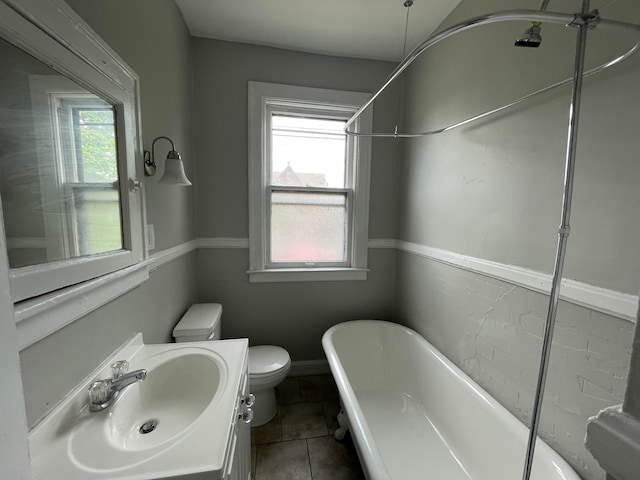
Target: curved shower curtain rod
{"points": [[527, 15], [583, 22]]}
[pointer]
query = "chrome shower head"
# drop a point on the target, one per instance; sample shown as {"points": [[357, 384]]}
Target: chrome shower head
{"points": [[530, 38]]}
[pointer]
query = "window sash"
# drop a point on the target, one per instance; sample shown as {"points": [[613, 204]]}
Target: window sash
{"points": [[78, 215], [348, 227], [325, 112], [316, 111], [78, 135]]}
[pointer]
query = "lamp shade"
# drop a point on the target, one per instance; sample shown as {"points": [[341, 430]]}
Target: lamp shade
{"points": [[174, 171]]}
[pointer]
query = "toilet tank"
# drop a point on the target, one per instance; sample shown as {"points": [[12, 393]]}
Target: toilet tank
{"points": [[203, 321]]}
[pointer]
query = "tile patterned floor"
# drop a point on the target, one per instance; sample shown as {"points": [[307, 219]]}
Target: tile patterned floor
{"points": [[298, 444]]}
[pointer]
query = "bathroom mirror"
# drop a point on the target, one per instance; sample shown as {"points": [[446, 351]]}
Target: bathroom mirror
{"points": [[68, 133], [59, 179]]}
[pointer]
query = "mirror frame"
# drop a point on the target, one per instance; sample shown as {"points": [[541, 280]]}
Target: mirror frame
{"points": [[50, 31]]}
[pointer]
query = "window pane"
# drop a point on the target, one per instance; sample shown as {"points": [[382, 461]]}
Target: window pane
{"points": [[308, 227], [97, 219], [308, 152], [96, 145]]}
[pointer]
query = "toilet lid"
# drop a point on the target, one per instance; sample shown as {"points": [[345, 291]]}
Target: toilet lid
{"points": [[267, 359]]}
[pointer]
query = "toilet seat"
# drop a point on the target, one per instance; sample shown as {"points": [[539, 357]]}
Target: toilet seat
{"points": [[267, 360]]}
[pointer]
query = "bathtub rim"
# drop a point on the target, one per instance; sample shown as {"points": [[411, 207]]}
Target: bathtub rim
{"points": [[372, 463], [363, 436]]}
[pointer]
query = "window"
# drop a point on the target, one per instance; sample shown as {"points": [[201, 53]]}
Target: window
{"points": [[88, 171], [309, 184]]}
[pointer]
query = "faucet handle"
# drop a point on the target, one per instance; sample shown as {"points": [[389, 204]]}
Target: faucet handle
{"points": [[119, 368], [99, 391]]}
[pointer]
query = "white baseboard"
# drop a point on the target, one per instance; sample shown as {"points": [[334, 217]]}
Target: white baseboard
{"points": [[309, 367]]}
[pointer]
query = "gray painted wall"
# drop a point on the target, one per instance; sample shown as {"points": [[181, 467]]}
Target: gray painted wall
{"points": [[293, 315], [492, 190], [152, 38]]}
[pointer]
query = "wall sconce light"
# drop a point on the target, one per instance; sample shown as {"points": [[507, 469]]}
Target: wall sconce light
{"points": [[173, 167]]}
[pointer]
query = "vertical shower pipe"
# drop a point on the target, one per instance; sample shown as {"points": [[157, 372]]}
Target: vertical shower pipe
{"points": [[583, 23]]}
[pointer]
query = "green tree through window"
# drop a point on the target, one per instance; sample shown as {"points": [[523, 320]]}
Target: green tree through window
{"points": [[95, 145]]}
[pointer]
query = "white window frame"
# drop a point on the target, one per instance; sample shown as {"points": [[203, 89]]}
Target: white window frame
{"points": [[266, 98], [51, 94]]}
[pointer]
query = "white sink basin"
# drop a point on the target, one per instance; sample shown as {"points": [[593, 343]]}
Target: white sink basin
{"points": [[175, 393], [185, 406], [173, 396]]}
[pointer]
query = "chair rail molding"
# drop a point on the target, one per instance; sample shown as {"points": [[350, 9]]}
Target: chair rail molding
{"points": [[611, 302], [36, 319]]}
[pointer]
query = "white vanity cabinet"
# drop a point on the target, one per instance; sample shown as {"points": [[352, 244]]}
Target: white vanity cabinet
{"points": [[238, 463]]}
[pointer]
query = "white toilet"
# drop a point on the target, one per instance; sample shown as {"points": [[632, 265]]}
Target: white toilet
{"points": [[268, 364]]}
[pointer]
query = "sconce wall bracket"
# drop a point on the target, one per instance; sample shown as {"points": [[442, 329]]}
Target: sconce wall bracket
{"points": [[150, 166]]}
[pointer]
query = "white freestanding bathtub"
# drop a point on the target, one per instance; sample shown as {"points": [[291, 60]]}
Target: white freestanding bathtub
{"points": [[414, 415]]}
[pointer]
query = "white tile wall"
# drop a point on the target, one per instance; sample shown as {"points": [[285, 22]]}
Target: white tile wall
{"points": [[493, 331]]}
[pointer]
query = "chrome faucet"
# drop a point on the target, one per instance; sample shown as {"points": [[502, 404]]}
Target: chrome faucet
{"points": [[103, 392]]}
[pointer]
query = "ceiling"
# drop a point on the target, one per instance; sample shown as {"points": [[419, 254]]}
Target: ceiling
{"points": [[371, 29]]}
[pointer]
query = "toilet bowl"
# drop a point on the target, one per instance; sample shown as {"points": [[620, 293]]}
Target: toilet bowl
{"points": [[268, 364]]}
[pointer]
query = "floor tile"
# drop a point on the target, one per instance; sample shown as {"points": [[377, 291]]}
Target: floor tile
{"points": [[298, 444], [303, 420], [316, 388], [333, 460], [270, 432], [283, 461], [288, 391], [330, 409]]}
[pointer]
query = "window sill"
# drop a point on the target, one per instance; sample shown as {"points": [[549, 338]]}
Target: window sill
{"points": [[38, 317], [307, 275]]}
